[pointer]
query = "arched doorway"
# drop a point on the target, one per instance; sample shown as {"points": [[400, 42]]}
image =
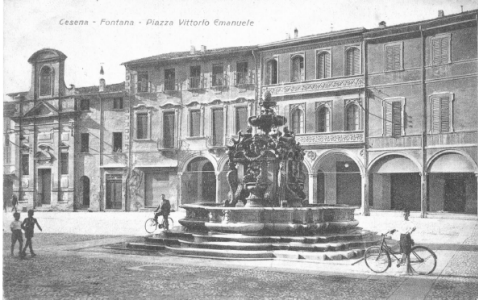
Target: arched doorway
{"points": [[199, 181], [395, 184], [339, 180], [85, 191], [452, 184]]}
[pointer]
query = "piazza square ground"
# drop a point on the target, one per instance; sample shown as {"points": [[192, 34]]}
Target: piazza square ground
{"points": [[71, 263]]}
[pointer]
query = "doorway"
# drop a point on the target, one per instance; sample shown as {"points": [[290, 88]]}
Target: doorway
{"points": [[113, 192], [455, 193], [44, 186]]}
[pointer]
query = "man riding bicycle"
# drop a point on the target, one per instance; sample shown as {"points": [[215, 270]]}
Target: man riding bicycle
{"points": [[163, 209]]}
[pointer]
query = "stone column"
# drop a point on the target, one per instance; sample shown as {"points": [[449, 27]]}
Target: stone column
{"points": [[312, 188], [218, 187], [476, 175], [365, 208], [424, 194], [180, 189]]}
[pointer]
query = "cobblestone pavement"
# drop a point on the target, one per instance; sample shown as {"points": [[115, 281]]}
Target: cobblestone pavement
{"points": [[80, 275]]}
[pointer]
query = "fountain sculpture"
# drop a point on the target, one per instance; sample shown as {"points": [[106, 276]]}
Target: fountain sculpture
{"points": [[266, 188]]}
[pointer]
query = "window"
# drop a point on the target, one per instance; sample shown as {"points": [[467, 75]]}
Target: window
{"points": [[297, 121], [217, 127], [143, 82], [169, 80], [323, 119], [168, 130], [25, 164], [241, 119], [323, 65], [118, 103], [218, 75], [440, 47], [117, 141], [298, 73], [393, 118], [242, 75], [85, 142], [195, 123], [45, 81], [352, 61], [271, 72], [85, 104], [353, 123], [142, 126], [195, 77], [64, 163], [442, 113], [393, 57]]}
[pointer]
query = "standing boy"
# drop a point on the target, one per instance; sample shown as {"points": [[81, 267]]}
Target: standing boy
{"points": [[29, 225], [405, 229], [16, 228], [14, 202]]}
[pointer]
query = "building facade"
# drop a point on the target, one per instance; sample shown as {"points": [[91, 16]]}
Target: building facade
{"points": [[387, 117]]}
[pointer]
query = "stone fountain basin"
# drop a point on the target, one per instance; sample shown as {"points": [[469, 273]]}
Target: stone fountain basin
{"points": [[273, 220]]}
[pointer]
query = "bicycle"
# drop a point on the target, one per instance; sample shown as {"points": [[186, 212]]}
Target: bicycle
{"points": [[422, 260], [151, 225]]}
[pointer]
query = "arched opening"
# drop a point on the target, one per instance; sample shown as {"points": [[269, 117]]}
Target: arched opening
{"points": [[352, 61], [452, 184], [85, 191], [45, 81], [199, 181], [271, 72], [395, 184], [339, 180], [298, 73], [323, 65]]}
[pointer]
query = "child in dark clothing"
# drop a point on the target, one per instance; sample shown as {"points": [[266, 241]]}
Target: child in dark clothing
{"points": [[29, 225], [16, 228]]}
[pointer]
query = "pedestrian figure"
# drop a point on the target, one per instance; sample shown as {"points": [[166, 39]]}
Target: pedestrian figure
{"points": [[17, 235], [405, 229], [14, 202], [29, 225], [163, 209]]}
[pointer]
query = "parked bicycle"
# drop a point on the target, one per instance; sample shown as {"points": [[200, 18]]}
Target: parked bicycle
{"points": [[422, 260], [152, 225]]}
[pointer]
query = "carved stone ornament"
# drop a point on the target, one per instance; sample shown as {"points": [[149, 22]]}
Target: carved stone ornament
{"points": [[311, 155]]}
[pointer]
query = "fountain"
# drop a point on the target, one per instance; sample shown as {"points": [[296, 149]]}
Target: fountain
{"points": [[266, 214]]}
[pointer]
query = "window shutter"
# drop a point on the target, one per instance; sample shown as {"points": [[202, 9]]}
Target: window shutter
{"points": [[356, 62], [445, 114], [241, 119], [195, 123], [393, 57], [396, 118], [388, 119], [444, 50], [323, 65], [168, 130], [389, 58], [218, 127], [436, 115], [349, 62]]}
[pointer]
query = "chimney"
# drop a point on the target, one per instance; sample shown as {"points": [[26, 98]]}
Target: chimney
{"points": [[102, 81], [193, 50], [296, 33], [441, 13], [382, 24], [203, 48]]}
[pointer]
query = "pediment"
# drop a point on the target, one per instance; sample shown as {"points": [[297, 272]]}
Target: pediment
{"points": [[42, 109]]}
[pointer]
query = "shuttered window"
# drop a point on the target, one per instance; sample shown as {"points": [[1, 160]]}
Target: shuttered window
{"points": [[393, 57], [323, 65], [271, 72], [85, 142], [393, 119], [298, 73], [241, 119], [352, 118], [323, 119], [297, 121], [168, 130], [142, 126], [64, 163], [195, 123], [440, 108], [45, 81], [352, 61], [217, 127], [440, 50]]}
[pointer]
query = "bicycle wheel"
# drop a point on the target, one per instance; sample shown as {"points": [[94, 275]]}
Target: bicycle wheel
{"points": [[422, 260], [150, 225], [377, 259]]}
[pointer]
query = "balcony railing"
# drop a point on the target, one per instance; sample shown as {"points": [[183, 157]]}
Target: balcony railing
{"points": [[243, 78], [453, 138], [143, 86], [219, 80], [170, 85], [196, 83], [408, 141], [330, 138]]}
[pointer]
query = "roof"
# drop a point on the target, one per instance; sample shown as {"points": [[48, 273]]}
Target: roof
{"points": [[110, 88], [187, 54]]}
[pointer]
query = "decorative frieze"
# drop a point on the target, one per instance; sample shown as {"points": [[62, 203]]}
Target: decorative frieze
{"points": [[336, 138], [314, 87]]}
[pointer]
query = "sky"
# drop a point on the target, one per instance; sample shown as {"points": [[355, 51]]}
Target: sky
{"points": [[31, 25]]}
